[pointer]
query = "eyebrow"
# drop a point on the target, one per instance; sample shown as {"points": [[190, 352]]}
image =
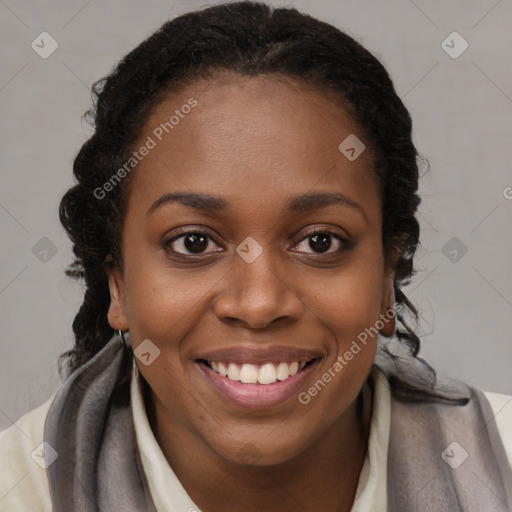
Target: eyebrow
{"points": [[298, 204]]}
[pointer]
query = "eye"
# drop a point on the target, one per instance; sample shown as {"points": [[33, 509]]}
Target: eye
{"points": [[320, 241], [194, 241]]}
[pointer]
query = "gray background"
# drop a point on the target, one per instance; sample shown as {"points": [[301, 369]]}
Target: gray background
{"points": [[462, 114]]}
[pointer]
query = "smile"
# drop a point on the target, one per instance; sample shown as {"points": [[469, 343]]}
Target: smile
{"points": [[257, 386], [265, 374]]}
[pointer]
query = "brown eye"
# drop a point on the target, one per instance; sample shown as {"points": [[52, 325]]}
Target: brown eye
{"points": [[321, 241], [191, 242]]}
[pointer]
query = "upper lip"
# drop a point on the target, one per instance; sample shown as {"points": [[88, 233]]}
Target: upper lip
{"points": [[261, 355]]}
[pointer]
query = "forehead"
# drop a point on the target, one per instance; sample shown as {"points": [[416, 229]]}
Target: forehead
{"points": [[252, 139]]}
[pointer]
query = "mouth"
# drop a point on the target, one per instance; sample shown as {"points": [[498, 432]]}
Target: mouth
{"points": [[264, 374], [258, 386]]}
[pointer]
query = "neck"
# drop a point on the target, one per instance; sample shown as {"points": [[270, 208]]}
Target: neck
{"points": [[323, 477]]}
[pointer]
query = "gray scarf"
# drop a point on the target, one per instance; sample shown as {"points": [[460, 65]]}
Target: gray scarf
{"points": [[98, 468]]}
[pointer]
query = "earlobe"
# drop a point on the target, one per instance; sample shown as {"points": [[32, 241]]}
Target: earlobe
{"points": [[117, 310]]}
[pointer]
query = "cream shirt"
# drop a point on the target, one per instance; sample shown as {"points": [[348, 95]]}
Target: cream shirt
{"points": [[24, 485]]}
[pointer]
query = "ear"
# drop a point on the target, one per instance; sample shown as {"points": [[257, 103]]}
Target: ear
{"points": [[117, 310], [387, 307]]}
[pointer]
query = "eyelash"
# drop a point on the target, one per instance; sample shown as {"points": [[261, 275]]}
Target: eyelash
{"points": [[344, 242]]}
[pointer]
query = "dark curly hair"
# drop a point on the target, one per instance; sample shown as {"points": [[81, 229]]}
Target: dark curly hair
{"points": [[248, 38]]}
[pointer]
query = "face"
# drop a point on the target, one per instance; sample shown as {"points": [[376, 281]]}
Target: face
{"points": [[269, 271]]}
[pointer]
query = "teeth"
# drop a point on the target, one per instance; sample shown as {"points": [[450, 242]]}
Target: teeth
{"points": [[248, 374], [267, 373], [222, 369], [233, 371], [283, 371]]}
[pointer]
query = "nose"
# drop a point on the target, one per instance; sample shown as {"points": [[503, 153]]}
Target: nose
{"points": [[258, 294]]}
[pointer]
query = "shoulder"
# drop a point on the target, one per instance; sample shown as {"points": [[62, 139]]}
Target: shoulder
{"points": [[413, 397], [502, 409], [23, 480]]}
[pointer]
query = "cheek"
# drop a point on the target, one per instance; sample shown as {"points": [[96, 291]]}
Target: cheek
{"points": [[348, 301], [349, 308], [164, 303]]}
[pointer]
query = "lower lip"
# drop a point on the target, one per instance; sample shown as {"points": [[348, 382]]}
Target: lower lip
{"points": [[258, 396]]}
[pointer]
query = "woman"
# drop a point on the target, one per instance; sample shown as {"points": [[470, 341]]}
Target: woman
{"points": [[244, 221]]}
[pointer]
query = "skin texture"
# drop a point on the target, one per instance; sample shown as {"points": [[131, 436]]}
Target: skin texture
{"points": [[256, 142]]}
